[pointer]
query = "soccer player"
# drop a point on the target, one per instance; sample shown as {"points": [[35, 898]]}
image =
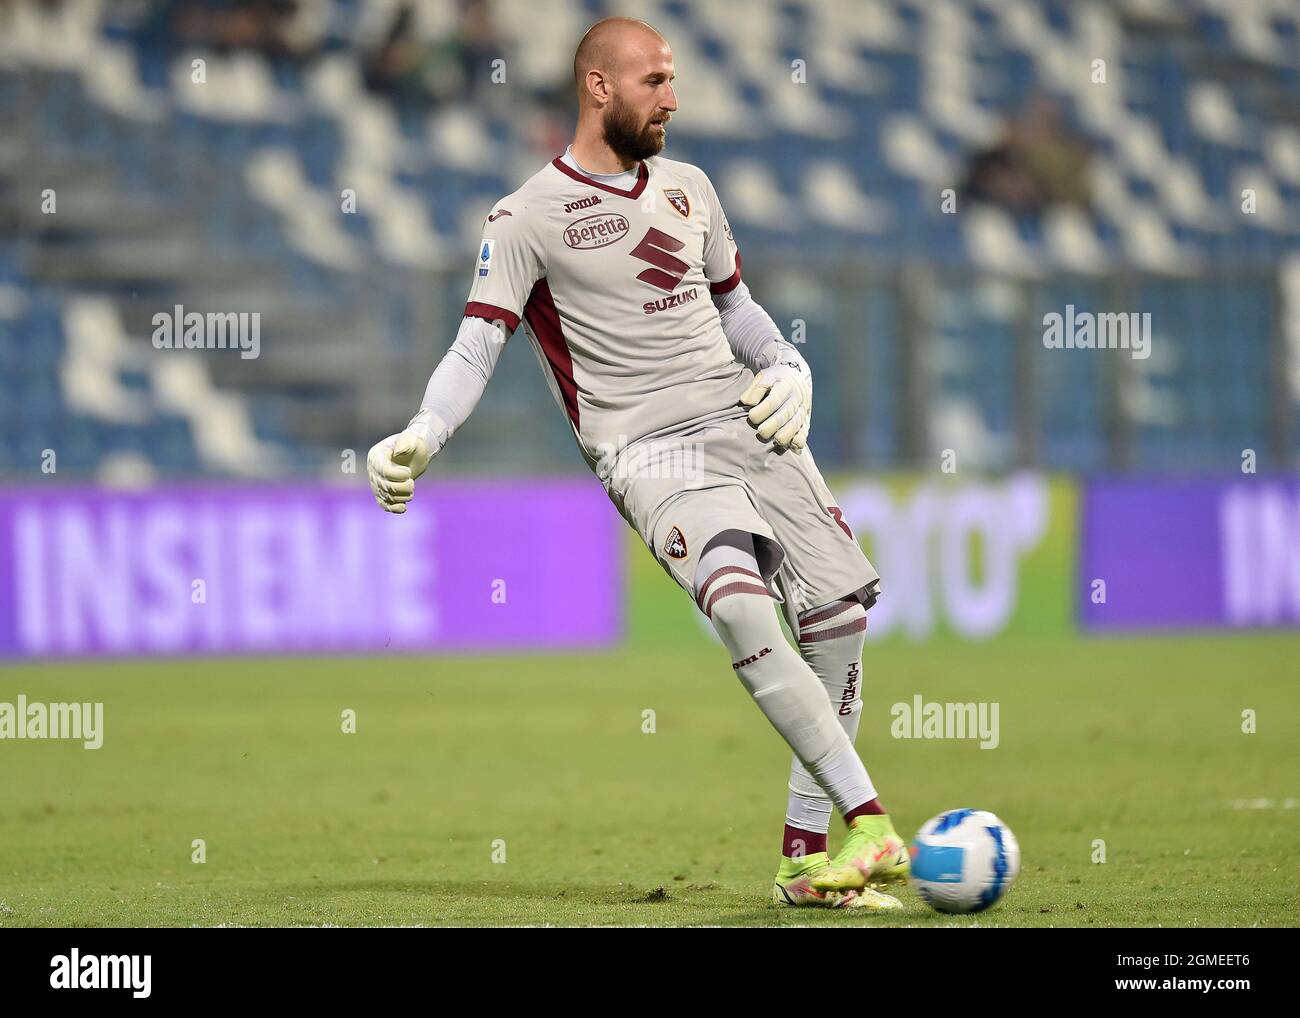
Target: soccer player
{"points": [[693, 411]]}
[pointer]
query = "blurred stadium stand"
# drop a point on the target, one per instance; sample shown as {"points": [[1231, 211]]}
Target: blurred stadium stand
{"points": [[923, 328]]}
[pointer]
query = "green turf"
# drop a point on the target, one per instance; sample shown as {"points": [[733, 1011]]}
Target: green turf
{"points": [[1138, 743]]}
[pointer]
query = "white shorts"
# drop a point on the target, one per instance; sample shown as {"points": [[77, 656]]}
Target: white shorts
{"points": [[680, 492]]}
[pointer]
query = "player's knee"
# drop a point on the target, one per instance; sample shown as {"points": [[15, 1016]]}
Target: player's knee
{"points": [[745, 618], [733, 612]]}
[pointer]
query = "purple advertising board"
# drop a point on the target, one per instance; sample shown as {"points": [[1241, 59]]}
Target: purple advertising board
{"points": [[1190, 554], [308, 569]]}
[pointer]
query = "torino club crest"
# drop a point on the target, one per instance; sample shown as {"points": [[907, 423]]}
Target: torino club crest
{"points": [[678, 200], [675, 544]]}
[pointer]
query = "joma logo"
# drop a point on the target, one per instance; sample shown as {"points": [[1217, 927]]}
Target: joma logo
{"points": [[750, 660], [585, 203]]}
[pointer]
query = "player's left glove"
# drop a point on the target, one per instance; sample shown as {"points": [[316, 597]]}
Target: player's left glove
{"points": [[781, 397]]}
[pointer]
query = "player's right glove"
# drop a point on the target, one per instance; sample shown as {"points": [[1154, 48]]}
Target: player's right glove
{"points": [[781, 397], [394, 463]]}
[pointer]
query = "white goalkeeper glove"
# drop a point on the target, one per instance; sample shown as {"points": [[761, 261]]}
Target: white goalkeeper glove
{"points": [[781, 397], [393, 464]]}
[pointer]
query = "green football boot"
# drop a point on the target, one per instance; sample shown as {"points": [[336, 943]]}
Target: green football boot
{"points": [[794, 888], [872, 855]]}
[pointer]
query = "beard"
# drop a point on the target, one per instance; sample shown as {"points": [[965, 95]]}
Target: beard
{"points": [[627, 136]]}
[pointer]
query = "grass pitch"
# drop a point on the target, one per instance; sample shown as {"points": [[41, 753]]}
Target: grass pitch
{"points": [[542, 761]]}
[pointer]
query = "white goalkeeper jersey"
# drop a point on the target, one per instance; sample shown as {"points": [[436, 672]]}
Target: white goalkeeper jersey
{"points": [[614, 289]]}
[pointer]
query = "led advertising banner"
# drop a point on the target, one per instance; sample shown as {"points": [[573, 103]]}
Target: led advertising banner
{"points": [[308, 569]]}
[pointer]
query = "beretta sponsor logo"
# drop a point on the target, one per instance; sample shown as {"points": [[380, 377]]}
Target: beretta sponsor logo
{"points": [[592, 232]]}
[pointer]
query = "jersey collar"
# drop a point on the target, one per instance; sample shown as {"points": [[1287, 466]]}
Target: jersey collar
{"points": [[642, 177]]}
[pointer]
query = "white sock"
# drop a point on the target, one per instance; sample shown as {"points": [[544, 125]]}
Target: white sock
{"points": [[830, 640], [730, 590]]}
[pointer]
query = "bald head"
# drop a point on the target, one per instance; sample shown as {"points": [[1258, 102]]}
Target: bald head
{"points": [[614, 45]]}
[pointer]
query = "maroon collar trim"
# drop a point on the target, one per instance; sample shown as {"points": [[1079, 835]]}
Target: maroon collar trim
{"points": [[637, 188]]}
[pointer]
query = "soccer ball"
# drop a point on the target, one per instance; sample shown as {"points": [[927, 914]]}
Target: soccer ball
{"points": [[964, 860]]}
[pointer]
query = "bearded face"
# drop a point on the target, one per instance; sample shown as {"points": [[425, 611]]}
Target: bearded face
{"points": [[632, 135]]}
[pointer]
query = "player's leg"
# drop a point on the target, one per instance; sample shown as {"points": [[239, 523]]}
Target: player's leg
{"points": [[732, 586], [828, 585], [731, 593], [730, 590], [830, 640]]}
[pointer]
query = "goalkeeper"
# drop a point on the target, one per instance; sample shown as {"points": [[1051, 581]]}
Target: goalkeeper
{"points": [[603, 256]]}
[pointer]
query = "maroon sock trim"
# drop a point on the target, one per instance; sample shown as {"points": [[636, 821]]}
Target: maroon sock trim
{"points": [[834, 633], [797, 841], [727, 589], [867, 809], [724, 571], [811, 618]]}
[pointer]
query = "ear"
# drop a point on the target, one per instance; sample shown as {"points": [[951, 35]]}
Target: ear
{"points": [[598, 86]]}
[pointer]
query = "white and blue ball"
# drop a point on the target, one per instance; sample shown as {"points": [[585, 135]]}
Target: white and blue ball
{"points": [[964, 860]]}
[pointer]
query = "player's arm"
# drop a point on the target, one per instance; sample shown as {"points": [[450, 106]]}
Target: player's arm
{"points": [[781, 395], [453, 392], [509, 263]]}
